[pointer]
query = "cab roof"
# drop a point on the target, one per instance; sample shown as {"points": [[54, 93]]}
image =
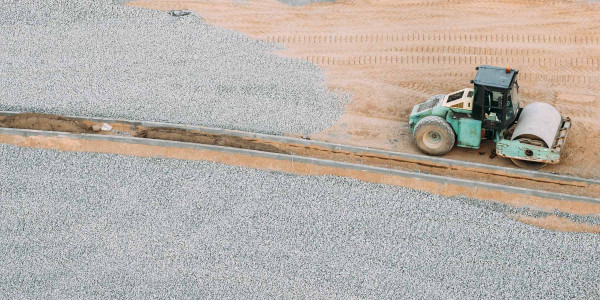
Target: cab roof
{"points": [[494, 77]]}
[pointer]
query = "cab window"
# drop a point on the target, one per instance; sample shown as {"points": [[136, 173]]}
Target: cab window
{"points": [[512, 104], [455, 96]]}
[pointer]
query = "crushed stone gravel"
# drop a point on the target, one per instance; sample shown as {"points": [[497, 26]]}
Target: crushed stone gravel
{"points": [[88, 225], [101, 58]]}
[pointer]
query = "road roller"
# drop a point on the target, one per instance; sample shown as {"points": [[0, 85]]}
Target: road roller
{"points": [[531, 137]]}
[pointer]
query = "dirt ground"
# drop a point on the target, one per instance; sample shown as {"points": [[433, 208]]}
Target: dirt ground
{"points": [[394, 54], [558, 224], [46, 122]]}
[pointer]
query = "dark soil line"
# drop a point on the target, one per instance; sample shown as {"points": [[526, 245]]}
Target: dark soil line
{"points": [[47, 122], [199, 137]]}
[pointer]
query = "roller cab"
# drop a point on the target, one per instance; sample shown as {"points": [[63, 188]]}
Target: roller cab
{"points": [[530, 136]]}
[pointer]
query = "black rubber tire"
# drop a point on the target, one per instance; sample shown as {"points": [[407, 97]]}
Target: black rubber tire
{"points": [[434, 136]]}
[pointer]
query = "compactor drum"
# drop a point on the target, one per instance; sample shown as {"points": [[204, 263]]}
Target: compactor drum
{"points": [[490, 110], [538, 124]]}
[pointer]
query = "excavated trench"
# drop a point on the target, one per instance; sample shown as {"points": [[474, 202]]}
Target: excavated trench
{"points": [[49, 122], [46, 122], [189, 136]]}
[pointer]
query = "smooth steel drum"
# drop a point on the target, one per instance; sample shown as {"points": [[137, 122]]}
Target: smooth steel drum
{"points": [[539, 121]]}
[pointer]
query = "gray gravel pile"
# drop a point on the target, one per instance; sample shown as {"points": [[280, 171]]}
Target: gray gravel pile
{"points": [[96, 58], [80, 225]]}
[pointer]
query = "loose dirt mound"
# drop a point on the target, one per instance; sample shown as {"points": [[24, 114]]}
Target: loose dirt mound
{"points": [[45, 122], [558, 224], [180, 135]]}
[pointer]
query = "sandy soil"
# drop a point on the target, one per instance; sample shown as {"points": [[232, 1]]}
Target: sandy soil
{"points": [[558, 224], [393, 54], [46, 122]]}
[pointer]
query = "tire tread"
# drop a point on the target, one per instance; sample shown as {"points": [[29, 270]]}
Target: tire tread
{"points": [[443, 126]]}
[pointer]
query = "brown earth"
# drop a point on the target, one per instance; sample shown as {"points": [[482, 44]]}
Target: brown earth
{"points": [[558, 224], [191, 136], [394, 54], [46, 122]]}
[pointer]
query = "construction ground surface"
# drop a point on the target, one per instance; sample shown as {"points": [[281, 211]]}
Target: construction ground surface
{"points": [[394, 54], [82, 217]]}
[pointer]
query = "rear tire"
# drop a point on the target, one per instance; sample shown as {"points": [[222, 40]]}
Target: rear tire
{"points": [[434, 136]]}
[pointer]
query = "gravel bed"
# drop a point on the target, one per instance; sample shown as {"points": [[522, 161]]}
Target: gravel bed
{"points": [[86, 225], [99, 58]]}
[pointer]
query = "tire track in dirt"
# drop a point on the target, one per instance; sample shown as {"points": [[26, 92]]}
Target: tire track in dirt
{"points": [[579, 77], [454, 59], [378, 38], [535, 59]]}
